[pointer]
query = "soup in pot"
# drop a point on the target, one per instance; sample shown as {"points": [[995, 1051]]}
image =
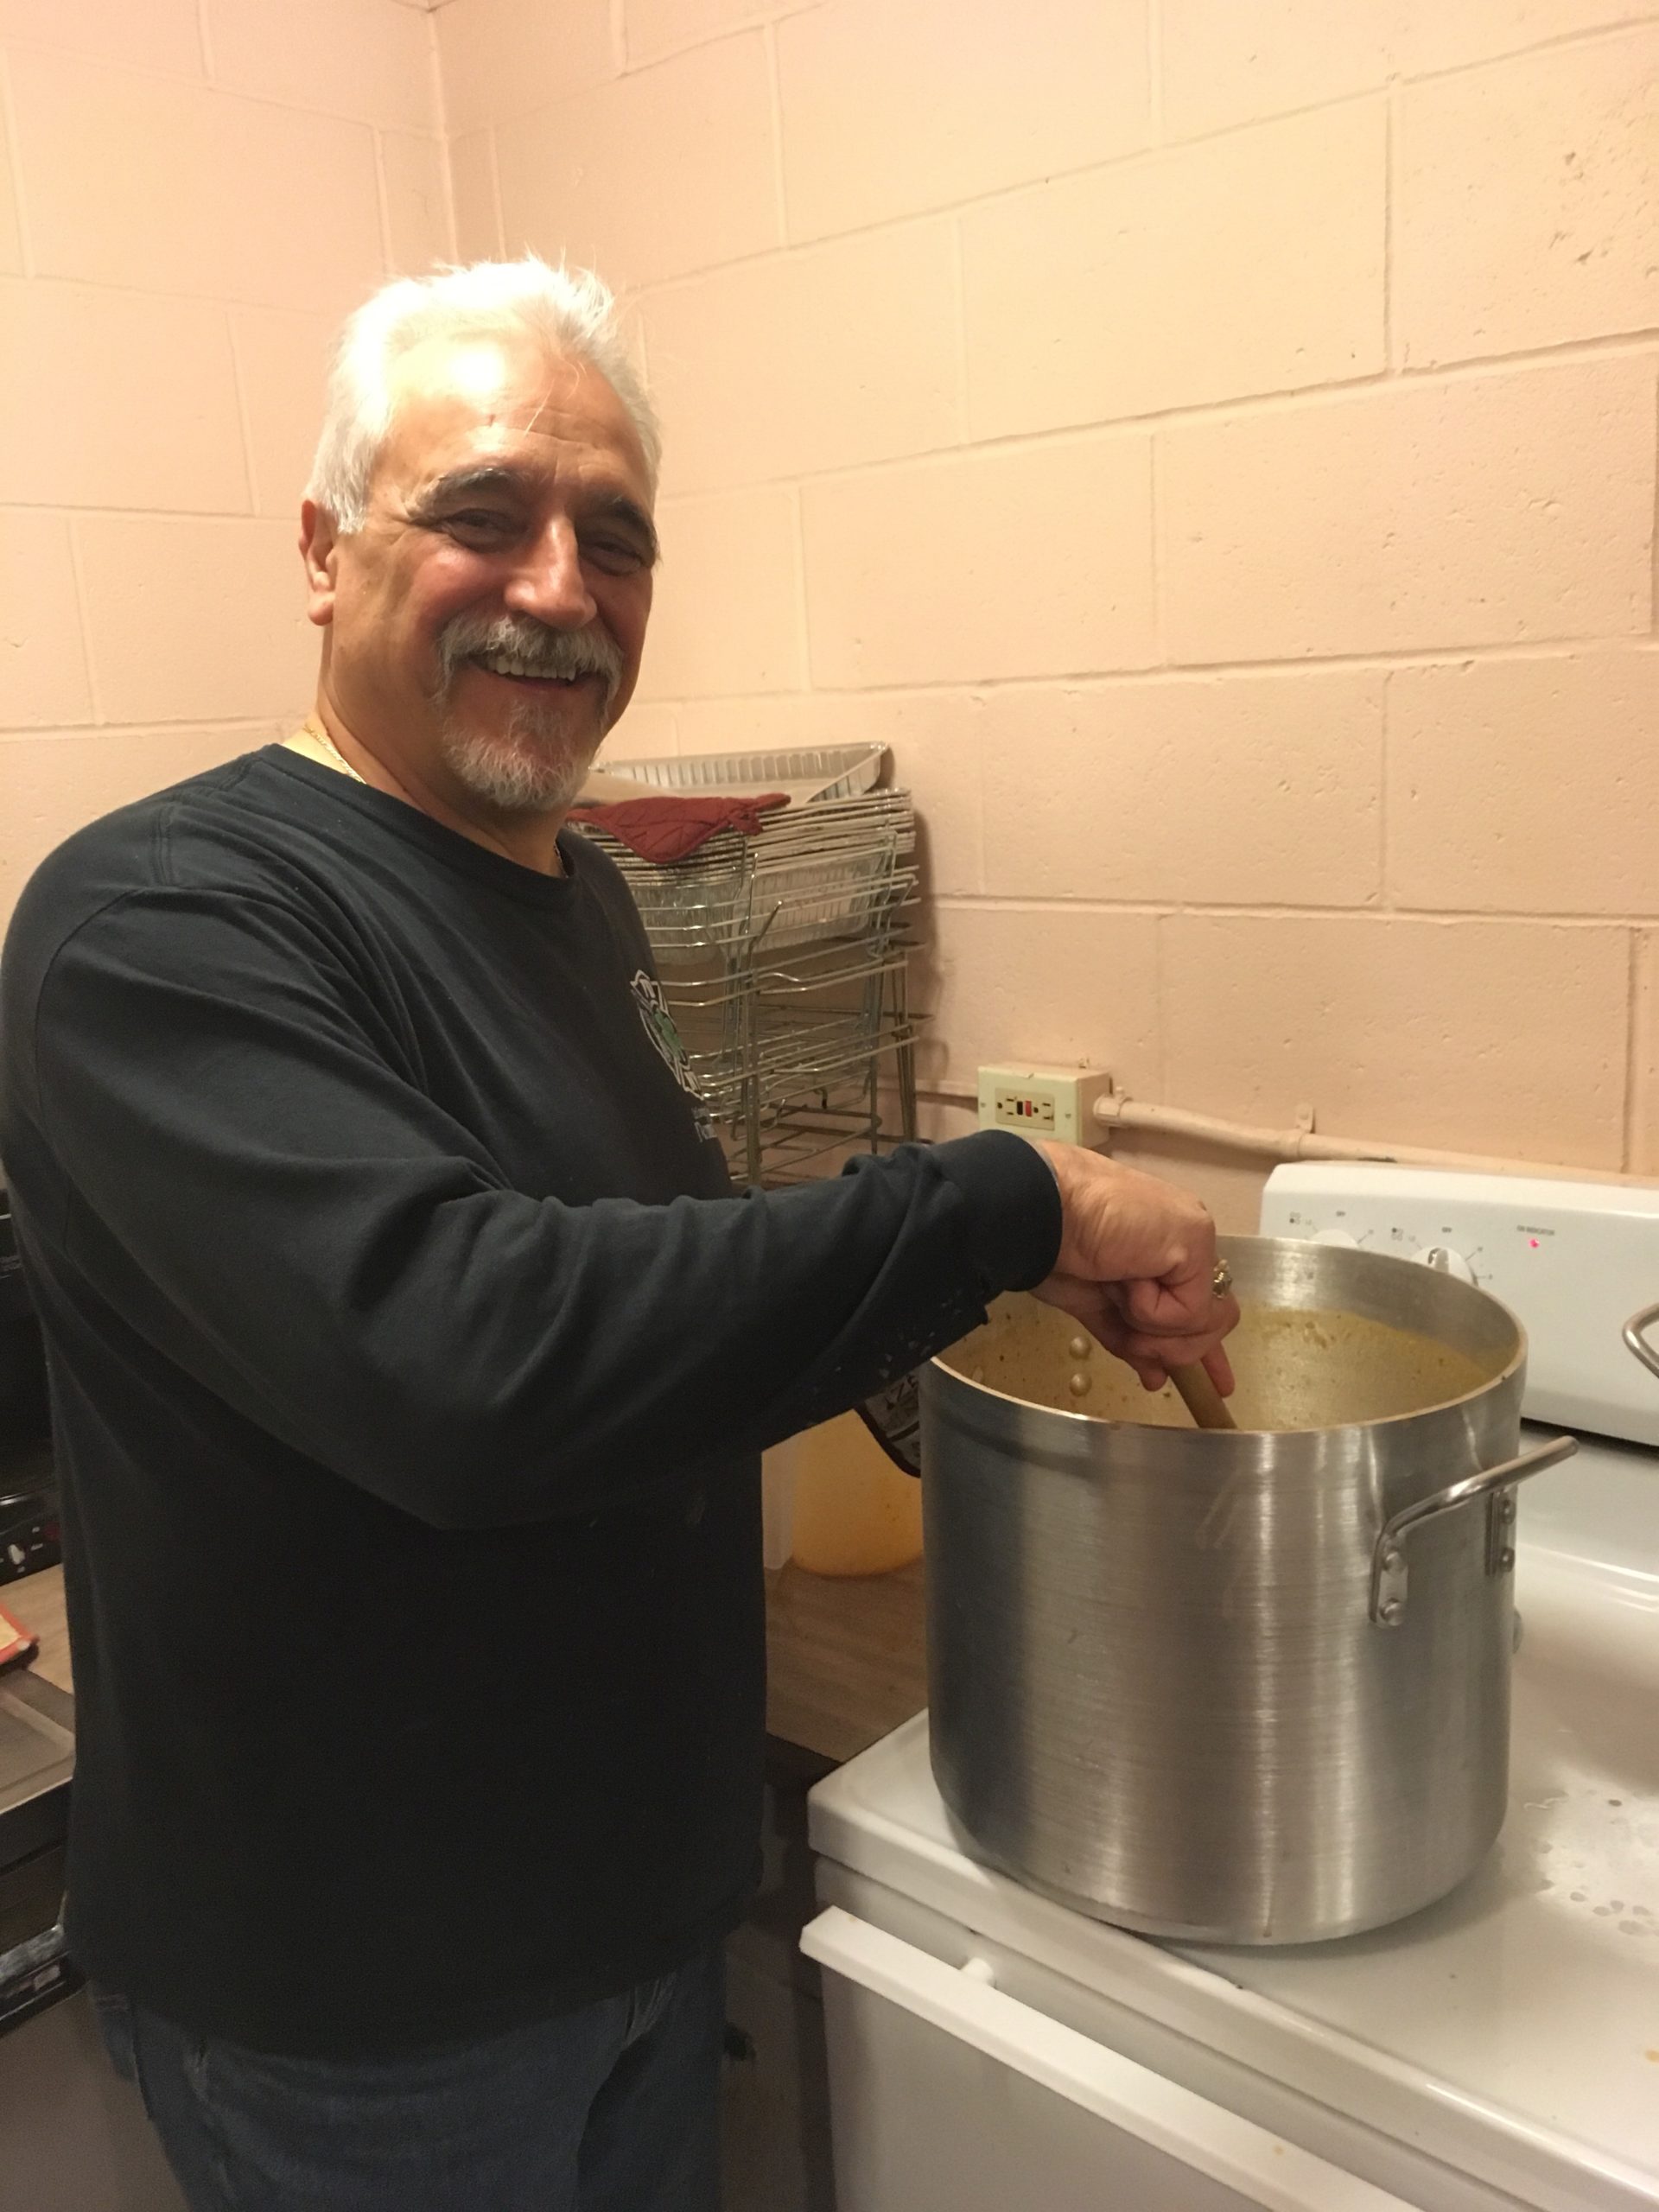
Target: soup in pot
{"points": [[1297, 1367]]}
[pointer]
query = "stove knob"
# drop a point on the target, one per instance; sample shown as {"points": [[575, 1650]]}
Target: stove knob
{"points": [[1337, 1236], [1445, 1262]]}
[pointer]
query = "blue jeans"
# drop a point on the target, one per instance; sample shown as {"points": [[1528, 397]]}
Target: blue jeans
{"points": [[613, 2108]]}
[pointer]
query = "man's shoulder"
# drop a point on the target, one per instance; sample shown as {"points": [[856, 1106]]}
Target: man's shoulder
{"points": [[194, 834]]}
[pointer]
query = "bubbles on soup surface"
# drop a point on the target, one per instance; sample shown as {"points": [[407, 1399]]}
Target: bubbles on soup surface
{"points": [[1297, 1367]]}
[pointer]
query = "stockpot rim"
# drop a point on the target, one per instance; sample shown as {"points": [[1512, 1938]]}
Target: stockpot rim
{"points": [[1229, 1437]]}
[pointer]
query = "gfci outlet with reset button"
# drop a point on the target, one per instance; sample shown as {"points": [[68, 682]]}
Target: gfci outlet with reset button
{"points": [[1055, 1102]]}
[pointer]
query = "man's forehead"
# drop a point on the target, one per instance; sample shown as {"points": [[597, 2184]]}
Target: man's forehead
{"points": [[492, 396]]}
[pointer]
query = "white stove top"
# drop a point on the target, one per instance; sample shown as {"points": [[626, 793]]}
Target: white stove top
{"points": [[1511, 2031]]}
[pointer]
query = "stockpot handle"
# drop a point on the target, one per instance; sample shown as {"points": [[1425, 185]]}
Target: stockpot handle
{"points": [[1388, 1576], [1637, 1342]]}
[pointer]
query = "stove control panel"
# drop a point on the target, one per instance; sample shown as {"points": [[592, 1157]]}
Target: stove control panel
{"points": [[1572, 1261], [29, 1537]]}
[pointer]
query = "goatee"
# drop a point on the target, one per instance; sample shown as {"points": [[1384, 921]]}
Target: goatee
{"points": [[537, 763]]}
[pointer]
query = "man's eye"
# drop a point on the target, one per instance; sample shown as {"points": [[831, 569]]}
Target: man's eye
{"points": [[479, 523], [616, 556]]}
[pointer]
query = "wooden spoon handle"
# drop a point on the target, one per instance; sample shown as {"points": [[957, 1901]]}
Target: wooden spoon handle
{"points": [[1204, 1402]]}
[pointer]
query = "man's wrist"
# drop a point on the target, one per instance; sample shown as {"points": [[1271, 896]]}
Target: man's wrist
{"points": [[1014, 1214]]}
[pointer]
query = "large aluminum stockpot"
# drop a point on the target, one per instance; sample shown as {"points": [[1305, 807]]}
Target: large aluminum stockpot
{"points": [[1247, 1688]]}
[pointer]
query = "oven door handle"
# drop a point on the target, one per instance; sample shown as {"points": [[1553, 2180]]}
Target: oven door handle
{"points": [[1195, 2136]]}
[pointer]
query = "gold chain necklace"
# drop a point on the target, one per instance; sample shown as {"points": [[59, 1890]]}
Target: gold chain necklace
{"points": [[313, 741]]}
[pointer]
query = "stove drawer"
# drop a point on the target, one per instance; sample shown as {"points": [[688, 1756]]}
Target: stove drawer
{"points": [[949, 2095]]}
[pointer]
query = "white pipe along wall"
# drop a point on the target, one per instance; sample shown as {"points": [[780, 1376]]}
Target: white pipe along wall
{"points": [[1115, 1110]]}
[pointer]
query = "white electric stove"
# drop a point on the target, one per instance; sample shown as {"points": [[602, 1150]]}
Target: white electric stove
{"points": [[989, 2049]]}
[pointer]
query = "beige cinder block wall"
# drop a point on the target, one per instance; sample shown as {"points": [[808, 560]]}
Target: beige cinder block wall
{"points": [[192, 193], [1213, 443]]}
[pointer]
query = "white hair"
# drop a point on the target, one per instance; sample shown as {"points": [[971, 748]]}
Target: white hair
{"points": [[571, 309]]}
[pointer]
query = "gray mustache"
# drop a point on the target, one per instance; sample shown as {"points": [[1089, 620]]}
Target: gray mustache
{"points": [[566, 654]]}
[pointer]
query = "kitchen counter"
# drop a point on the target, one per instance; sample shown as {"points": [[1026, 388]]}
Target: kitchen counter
{"points": [[846, 1656]]}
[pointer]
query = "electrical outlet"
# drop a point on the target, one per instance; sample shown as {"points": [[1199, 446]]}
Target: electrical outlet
{"points": [[1042, 1102]]}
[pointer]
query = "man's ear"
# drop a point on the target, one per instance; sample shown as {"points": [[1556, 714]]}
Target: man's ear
{"points": [[320, 550]]}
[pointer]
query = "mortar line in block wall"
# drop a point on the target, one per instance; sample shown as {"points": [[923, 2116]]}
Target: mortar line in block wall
{"points": [[1594, 34], [1012, 441], [959, 308], [238, 384], [382, 201], [799, 249], [640, 339], [89, 659], [1598, 34], [1140, 153], [1635, 1041], [441, 116], [775, 120], [1165, 142], [23, 735], [495, 191], [1155, 70], [619, 24], [1614, 346], [802, 603], [973, 201], [776, 12], [952, 902], [995, 195], [209, 84], [1382, 794], [668, 702], [14, 167], [205, 39], [243, 517], [47, 280], [1637, 345], [30, 41], [35, 42], [447, 173], [1155, 527], [1390, 175], [1638, 642], [1556, 648], [982, 837], [1438, 656]]}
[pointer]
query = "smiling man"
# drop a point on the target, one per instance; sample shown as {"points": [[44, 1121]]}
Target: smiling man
{"points": [[486, 594], [411, 1357]]}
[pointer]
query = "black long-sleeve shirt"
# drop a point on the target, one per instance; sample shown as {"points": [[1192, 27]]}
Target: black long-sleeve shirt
{"points": [[410, 1361]]}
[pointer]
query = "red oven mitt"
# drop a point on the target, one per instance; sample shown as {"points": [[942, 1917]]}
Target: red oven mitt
{"points": [[675, 825]]}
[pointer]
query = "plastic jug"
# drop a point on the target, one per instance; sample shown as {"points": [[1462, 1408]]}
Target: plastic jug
{"points": [[853, 1511]]}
